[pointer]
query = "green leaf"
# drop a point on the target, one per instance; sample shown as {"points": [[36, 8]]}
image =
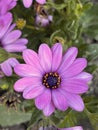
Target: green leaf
{"points": [[11, 117], [36, 115], [3, 55], [69, 120], [93, 118]]}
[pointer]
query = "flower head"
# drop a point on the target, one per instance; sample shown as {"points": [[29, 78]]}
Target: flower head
{"points": [[9, 38], [53, 79], [28, 3], [6, 5]]}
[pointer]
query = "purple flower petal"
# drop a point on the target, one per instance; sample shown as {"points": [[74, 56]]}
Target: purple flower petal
{"points": [[41, 1], [84, 76], [11, 28], [27, 3], [57, 56], [12, 4], [13, 62], [74, 101], [22, 41], [14, 48], [74, 86], [31, 58], [6, 68], [49, 109], [43, 100], [25, 70], [33, 91], [23, 83], [45, 56], [11, 37], [78, 66], [68, 59], [5, 6], [6, 23], [72, 128], [59, 100]]}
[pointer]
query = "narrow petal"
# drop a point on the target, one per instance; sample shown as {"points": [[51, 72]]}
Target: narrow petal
{"points": [[77, 67], [27, 3], [31, 58], [15, 48], [57, 56], [84, 76], [13, 62], [41, 1], [74, 101], [6, 68], [77, 86], [43, 100], [68, 58], [12, 5], [33, 91], [21, 41], [59, 100], [11, 37], [11, 28], [49, 109], [26, 70], [6, 23], [45, 56], [72, 128], [23, 83]]}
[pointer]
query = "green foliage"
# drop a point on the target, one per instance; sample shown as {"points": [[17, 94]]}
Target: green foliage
{"points": [[11, 117], [89, 22], [3, 55]]}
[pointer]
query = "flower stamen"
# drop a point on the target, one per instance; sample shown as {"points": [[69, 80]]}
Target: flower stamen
{"points": [[51, 80]]}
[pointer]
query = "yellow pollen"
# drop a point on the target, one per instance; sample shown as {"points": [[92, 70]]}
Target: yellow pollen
{"points": [[20, 23]]}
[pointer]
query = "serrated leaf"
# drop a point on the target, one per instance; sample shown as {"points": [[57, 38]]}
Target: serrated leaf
{"points": [[11, 117]]}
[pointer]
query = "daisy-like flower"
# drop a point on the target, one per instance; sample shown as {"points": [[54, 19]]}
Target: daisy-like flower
{"points": [[9, 38], [28, 3], [53, 79], [6, 5]]}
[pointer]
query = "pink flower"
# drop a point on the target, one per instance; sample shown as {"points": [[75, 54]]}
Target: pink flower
{"points": [[53, 79], [6, 5], [9, 38], [28, 3]]}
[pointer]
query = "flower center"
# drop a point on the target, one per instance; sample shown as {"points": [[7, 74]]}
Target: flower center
{"points": [[51, 80]]}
